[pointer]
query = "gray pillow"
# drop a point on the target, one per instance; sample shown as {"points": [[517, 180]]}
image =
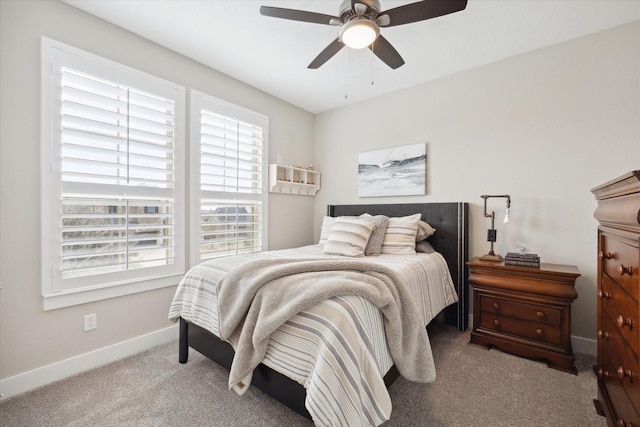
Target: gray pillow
{"points": [[424, 247], [374, 245]]}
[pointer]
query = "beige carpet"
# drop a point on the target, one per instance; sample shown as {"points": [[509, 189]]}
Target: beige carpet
{"points": [[474, 387]]}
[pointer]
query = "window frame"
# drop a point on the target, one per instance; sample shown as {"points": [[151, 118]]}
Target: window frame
{"points": [[54, 53], [198, 101]]}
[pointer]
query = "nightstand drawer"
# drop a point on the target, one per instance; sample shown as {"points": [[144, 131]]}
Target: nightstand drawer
{"points": [[620, 262], [522, 328], [538, 313], [621, 309]]}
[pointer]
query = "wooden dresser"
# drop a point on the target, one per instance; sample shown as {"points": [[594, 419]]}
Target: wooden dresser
{"points": [[618, 292], [524, 310]]}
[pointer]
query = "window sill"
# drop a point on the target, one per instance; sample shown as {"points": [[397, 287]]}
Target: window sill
{"points": [[86, 295]]}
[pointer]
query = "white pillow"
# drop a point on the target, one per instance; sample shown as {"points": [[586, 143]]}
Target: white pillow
{"points": [[325, 230], [327, 224], [424, 231], [349, 237], [400, 237]]}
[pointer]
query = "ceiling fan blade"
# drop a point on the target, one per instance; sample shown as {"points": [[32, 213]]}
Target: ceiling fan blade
{"points": [[297, 15], [387, 53], [422, 10], [328, 52]]}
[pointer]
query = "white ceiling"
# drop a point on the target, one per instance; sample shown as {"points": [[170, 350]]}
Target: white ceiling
{"points": [[272, 54]]}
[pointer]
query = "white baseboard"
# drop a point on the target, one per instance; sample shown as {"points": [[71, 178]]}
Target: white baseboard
{"points": [[579, 344], [35, 378], [30, 380], [584, 345]]}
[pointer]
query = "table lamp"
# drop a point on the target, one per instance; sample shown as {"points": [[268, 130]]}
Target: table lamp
{"points": [[492, 233]]}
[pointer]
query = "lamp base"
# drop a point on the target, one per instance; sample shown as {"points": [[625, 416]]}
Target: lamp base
{"points": [[493, 258]]}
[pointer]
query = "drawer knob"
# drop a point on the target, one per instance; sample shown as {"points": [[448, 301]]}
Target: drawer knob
{"points": [[496, 306], [622, 322], [622, 373], [539, 332], [496, 322], [603, 334], [540, 314], [603, 294], [607, 255], [622, 270], [603, 374]]}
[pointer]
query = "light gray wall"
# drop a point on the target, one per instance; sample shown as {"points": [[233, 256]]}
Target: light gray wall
{"points": [[544, 127], [29, 337]]}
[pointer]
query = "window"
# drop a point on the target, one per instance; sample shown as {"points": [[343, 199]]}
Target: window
{"points": [[228, 155], [113, 203]]}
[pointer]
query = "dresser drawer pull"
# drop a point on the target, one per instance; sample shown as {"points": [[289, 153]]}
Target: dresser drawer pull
{"points": [[539, 332], [603, 374], [622, 373], [608, 255], [540, 314], [622, 322], [496, 323], [603, 294], [603, 334], [623, 423], [622, 270], [496, 306]]}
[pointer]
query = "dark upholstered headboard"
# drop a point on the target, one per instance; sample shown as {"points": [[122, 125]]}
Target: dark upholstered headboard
{"points": [[451, 221]]}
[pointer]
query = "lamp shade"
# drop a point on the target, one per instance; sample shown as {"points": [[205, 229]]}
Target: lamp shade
{"points": [[359, 33], [507, 220]]}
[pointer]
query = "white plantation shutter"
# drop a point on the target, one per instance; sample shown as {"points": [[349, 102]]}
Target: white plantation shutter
{"points": [[231, 154], [113, 143], [113, 134], [230, 202]]}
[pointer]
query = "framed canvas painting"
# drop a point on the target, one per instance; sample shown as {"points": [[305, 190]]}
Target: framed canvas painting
{"points": [[398, 171]]}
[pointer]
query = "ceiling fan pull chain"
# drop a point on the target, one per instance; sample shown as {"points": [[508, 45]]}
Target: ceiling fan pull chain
{"points": [[346, 73], [372, 55]]}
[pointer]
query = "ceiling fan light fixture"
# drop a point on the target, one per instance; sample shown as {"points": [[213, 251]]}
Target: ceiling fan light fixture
{"points": [[359, 33]]}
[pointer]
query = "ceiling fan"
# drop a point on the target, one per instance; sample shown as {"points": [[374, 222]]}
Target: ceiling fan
{"points": [[360, 22]]}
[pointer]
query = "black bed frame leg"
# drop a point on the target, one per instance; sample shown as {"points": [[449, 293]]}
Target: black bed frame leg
{"points": [[183, 343]]}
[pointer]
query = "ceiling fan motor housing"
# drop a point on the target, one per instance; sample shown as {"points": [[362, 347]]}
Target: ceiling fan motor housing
{"points": [[365, 8]]}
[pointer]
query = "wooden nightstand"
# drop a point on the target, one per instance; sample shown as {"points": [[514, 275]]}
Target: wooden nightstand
{"points": [[525, 311]]}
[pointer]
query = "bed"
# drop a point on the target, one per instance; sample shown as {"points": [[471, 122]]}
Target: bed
{"points": [[200, 331]]}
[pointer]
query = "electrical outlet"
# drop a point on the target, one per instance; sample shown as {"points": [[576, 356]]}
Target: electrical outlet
{"points": [[90, 322]]}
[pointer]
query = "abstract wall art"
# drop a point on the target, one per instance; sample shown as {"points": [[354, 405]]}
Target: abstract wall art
{"points": [[398, 171]]}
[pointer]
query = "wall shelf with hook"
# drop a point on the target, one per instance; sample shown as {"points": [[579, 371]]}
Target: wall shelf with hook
{"points": [[293, 180]]}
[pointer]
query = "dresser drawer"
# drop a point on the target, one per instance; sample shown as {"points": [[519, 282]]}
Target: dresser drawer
{"points": [[621, 309], [539, 313], [620, 262], [623, 407], [619, 363], [522, 328]]}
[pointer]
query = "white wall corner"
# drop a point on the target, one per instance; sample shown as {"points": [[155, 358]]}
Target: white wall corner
{"points": [[39, 377], [584, 345]]}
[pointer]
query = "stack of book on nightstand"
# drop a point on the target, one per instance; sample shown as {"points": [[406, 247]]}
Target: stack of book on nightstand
{"points": [[524, 260]]}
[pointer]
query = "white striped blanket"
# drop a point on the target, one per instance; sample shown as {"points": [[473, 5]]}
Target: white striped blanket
{"points": [[336, 349]]}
